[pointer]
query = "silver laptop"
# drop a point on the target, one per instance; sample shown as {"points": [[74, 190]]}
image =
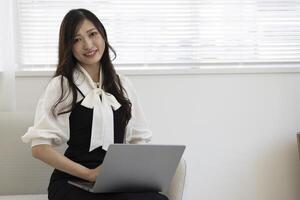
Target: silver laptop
{"points": [[135, 168]]}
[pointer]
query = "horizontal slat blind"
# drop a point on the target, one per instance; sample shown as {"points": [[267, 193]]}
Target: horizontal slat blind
{"points": [[171, 31]]}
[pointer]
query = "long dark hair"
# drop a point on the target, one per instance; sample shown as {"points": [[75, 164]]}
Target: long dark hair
{"points": [[67, 64]]}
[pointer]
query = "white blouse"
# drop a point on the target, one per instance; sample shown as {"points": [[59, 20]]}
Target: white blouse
{"points": [[55, 131]]}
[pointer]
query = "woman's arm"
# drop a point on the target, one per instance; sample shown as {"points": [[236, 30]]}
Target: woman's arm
{"points": [[49, 155], [137, 130]]}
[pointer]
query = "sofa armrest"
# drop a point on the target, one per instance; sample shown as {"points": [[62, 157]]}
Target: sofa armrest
{"points": [[20, 173], [176, 189]]}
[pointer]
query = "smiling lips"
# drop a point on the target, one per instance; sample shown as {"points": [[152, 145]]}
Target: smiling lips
{"points": [[90, 53]]}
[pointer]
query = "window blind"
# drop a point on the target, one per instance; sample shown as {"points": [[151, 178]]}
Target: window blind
{"points": [[170, 32]]}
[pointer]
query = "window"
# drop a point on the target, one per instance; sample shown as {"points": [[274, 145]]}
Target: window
{"points": [[170, 32]]}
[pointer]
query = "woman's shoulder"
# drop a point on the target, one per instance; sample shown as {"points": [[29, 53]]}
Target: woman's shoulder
{"points": [[128, 86], [54, 91], [57, 79], [125, 81], [56, 82], [55, 87]]}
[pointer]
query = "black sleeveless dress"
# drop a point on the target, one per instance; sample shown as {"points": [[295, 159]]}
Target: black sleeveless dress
{"points": [[78, 150]]}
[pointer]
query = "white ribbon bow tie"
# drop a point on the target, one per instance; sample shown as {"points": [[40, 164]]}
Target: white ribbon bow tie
{"points": [[103, 122]]}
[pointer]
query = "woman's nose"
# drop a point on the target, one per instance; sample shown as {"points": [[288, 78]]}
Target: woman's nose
{"points": [[87, 43]]}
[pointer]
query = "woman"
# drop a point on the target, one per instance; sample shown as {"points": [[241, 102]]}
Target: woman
{"points": [[88, 106]]}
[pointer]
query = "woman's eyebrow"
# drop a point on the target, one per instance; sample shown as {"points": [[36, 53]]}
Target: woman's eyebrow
{"points": [[91, 30], [86, 31]]}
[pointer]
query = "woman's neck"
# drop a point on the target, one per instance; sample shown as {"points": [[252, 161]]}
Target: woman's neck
{"points": [[93, 71]]}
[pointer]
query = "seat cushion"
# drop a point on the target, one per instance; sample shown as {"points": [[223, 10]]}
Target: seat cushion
{"points": [[25, 197]]}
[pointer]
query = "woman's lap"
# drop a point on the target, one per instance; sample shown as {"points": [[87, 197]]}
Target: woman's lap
{"points": [[78, 194], [70, 192]]}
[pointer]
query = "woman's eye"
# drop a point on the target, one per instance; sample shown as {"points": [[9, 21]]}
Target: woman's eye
{"points": [[93, 33], [76, 40]]}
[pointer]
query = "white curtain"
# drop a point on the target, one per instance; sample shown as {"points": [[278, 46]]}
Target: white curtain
{"points": [[7, 56]]}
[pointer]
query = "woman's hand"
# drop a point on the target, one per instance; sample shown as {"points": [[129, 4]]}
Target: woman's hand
{"points": [[93, 173], [49, 155]]}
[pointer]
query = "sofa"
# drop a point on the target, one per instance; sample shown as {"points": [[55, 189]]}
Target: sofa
{"points": [[298, 141], [24, 178]]}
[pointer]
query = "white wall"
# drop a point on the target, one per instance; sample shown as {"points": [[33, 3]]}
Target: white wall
{"points": [[240, 129]]}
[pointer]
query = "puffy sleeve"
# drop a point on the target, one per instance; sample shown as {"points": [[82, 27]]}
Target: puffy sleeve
{"points": [[137, 130], [48, 129]]}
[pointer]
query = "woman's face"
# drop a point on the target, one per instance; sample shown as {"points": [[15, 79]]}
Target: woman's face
{"points": [[88, 45]]}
